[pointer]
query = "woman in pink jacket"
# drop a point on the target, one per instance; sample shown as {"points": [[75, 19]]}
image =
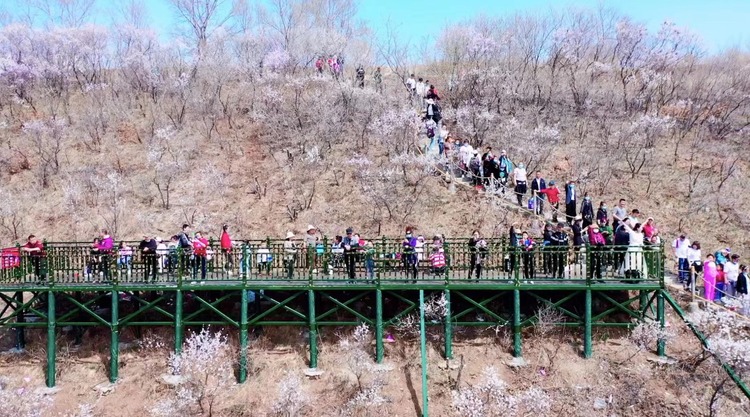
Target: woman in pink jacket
{"points": [[709, 277]]}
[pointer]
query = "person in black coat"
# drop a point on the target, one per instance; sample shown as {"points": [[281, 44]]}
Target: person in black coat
{"points": [[559, 243], [570, 201], [741, 286], [148, 252], [587, 211], [538, 184], [622, 240]]}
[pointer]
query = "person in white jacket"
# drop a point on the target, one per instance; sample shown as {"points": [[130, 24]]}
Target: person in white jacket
{"points": [[732, 272], [520, 178]]}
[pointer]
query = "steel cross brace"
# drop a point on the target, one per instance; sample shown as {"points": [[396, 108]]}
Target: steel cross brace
{"points": [[82, 307], [207, 306], [147, 306], [344, 306], [556, 305], [616, 306], [20, 307], [412, 306], [650, 307], [480, 306], [279, 305]]}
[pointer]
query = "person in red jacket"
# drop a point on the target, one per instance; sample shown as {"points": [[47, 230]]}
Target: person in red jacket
{"points": [[35, 250], [553, 196], [226, 248], [200, 250]]}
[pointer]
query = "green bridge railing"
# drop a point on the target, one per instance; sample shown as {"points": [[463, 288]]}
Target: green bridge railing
{"points": [[383, 261]]}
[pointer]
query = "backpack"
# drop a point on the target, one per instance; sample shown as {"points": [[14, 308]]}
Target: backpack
{"points": [[474, 164], [430, 132]]}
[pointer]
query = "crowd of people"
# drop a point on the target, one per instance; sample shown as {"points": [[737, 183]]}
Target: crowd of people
{"points": [[725, 279], [621, 233]]}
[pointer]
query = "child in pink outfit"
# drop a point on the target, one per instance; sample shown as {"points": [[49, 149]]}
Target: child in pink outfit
{"points": [[709, 277]]}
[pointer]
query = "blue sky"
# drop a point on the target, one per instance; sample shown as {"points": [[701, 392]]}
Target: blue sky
{"points": [[720, 23]]}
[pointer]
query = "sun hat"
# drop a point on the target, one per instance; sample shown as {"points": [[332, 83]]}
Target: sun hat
{"points": [[289, 235], [311, 227]]}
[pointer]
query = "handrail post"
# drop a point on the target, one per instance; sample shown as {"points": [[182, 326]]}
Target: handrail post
{"points": [[180, 263], [587, 344], [660, 345], [446, 253], [326, 263], [589, 263], [245, 264], [385, 256], [423, 349], [45, 267]]}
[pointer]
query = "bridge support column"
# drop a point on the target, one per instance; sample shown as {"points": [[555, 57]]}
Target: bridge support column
{"points": [[423, 351], [51, 345], [448, 326], [660, 345], [517, 323], [20, 318], [114, 347], [242, 374], [178, 329], [313, 331], [379, 353], [587, 344]]}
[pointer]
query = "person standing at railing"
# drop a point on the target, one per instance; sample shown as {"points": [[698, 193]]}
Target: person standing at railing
{"points": [[225, 242], [520, 178], [200, 250], [732, 271], [546, 242], [93, 265], [290, 255], [125, 257], [166, 254], [148, 247], [409, 255], [553, 196], [474, 261], [537, 185], [528, 247], [695, 260], [709, 277], [578, 242], [351, 246], [437, 261], [513, 246], [105, 248], [571, 202], [620, 213], [35, 251], [634, 266], [742, 289], [602, 216], [369, 252], [680, 248], [186, 245], [721, 282], [311, 243], [559, 245], [596, 247], [587, 211]]}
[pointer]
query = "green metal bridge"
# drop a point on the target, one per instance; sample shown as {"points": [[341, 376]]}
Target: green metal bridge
{"points": [[258, 284]]}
